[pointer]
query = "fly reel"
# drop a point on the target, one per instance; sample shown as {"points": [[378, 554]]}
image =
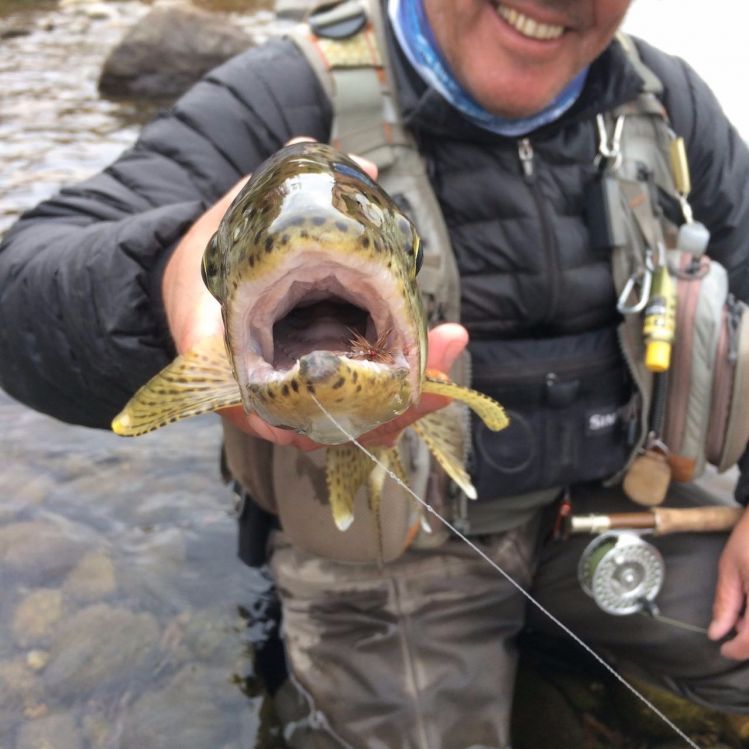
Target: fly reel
{"points": [[621, 572]]}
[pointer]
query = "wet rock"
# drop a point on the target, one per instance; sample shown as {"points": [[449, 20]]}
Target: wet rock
{"points": [[36, 616], [20, 688], [155, 563], [52, 732], [92, 579], [739, 727], [14, 32], [182, 714], [695, 720], [167, 51], [100, 646], [39, 551]]}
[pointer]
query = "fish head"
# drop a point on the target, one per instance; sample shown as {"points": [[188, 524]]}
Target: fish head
{"points": [[315, 268]]}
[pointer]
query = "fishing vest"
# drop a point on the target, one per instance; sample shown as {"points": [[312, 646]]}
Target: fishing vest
{"points": [[345, 45]]}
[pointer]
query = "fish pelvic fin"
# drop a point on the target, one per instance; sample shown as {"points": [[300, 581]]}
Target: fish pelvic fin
{"points": [[389, 460], [198, 381], [443, 434], [346, 469], [486, 408]]}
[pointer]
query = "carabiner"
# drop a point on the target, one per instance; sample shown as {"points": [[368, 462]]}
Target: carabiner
{"points": [[642, 279], [609, 153]]}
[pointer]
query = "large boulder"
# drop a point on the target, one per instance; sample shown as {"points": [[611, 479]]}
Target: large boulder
{"points": [[169, 49]]}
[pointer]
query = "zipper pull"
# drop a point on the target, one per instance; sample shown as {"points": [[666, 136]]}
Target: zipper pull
{"points": [[734, 320], [525, 152]]}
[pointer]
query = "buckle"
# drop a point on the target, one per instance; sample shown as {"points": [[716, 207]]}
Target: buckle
{"points": [[338, 21]]}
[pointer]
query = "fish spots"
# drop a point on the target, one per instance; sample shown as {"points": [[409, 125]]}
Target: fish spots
{"points": [[318, 220], [364, 242], [269, 244], [285, 239], [339, 383], [295, 386], [342, 226], [285, 391]]}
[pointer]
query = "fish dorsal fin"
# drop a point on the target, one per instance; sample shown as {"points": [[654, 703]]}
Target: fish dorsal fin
{"points": [[198, 381], [346, 469], [441, 431], [486, 408]]}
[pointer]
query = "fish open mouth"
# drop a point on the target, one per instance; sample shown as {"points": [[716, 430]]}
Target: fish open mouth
{"points": [[326, 306], [329, 324]]}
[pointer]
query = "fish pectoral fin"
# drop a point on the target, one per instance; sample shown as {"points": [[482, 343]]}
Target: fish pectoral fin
{"points": [[198, 381], [346, 469], [486, 408], [441, 431]]}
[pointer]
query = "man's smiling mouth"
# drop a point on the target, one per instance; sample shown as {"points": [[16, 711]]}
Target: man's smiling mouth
{"points": [[527, 26]]}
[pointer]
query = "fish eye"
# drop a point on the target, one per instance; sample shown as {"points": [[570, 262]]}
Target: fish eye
{"points": [[418, 251], [208, 267]]}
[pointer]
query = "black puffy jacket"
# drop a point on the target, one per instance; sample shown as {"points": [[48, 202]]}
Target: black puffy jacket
{"points": [[81, 319]]}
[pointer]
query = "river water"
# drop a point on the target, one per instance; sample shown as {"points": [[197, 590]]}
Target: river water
{"points": [[125, 618]]}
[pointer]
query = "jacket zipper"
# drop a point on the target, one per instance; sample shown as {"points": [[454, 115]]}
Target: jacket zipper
{"points": [[542, 372], [527, 161]]}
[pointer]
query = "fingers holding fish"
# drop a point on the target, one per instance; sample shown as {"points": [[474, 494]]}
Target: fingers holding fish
{"points": [[252, 424], [446, 343]]}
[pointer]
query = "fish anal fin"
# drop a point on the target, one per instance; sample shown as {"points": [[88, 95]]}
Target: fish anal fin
{"points": [[486, 408], [443, 434], [196, 382]]}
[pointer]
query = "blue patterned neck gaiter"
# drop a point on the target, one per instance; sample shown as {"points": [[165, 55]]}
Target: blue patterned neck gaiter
{"points": [[415, 37]]}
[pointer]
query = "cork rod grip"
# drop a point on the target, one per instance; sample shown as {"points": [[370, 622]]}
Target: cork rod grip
{"points": [[699, 519]]}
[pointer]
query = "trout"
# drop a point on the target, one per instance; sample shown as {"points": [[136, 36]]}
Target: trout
{"points": [[315, 268]]}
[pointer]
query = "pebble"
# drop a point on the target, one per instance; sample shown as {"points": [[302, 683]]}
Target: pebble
{"points": [[39, 551], [183, 713], [36, 616], [92, 579], [98, 647], [51, 732]]}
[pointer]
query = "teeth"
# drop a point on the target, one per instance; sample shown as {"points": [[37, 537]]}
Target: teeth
{"points": [[528, 27]]}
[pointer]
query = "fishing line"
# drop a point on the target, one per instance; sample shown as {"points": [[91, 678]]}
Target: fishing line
{"points": [[511, 580]]}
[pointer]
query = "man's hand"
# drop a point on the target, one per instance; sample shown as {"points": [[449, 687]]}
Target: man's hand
{"points": [[731, 594], [446, 343], [193, 314]]}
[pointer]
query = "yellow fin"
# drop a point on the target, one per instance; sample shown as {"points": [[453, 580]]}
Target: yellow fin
{"points": [[486, 408], [198, 381], [389, 459], [346, 469], [441, 431]]}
